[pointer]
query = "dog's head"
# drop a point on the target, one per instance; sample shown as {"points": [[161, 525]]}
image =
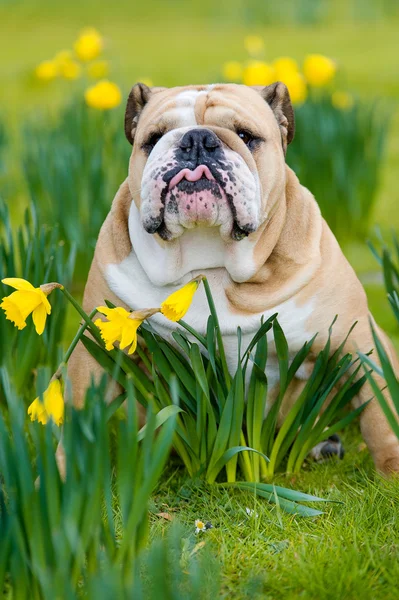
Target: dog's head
{"points": [[211, 156]]}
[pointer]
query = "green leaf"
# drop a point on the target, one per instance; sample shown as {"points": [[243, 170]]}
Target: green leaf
{"points": [[160, 418], [231, 453]]}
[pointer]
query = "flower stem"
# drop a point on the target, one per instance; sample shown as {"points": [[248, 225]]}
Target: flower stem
{"points": [[76, 306], [74, 343], [78, 335], [194, 333], [88, 320], [222, 353]]}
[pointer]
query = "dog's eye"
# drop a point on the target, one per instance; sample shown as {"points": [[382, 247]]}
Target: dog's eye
{"points": [[152, 140], [248, 138]]}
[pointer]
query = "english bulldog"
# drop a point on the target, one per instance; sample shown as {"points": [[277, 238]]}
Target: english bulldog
{"points": [[209, 192]]}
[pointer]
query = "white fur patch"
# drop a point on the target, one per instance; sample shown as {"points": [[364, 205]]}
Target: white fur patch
{"points": [[131, 284], [196, 249]]}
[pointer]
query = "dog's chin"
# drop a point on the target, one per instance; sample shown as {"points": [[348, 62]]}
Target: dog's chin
{"points": [[201, 203]]}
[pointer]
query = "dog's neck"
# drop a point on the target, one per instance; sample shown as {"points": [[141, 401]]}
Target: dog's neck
{"points": [[196, 251]]}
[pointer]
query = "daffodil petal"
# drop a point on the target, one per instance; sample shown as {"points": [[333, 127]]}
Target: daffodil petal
{"points": [[45, 302], [105, 310], [121, 312], [18, 284], [26, 301], [39, 317], [54, 402], [129, 334]]}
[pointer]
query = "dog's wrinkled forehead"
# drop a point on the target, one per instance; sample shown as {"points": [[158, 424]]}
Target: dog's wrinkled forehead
{"points": [[263, 111]]}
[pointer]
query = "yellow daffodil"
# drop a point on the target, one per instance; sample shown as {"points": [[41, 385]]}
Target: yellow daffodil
{"points": [[47, 70], [232, 71], [254, 45], [70, 69], [296, 85], [98, 69], [52, 406], [89, 44], [66, 65], [104, 95], [342, 100], [258, 72], [318, 69], [27, 300], [177, 304], [63, 56], [283, 66], [121, 326]]}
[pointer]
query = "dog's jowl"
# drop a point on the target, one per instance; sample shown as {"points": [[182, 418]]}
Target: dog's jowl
{"points": [[208, 191]]}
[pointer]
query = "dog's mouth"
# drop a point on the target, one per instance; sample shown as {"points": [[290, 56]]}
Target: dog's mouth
{"points": [[200, 175], [197, 196]]}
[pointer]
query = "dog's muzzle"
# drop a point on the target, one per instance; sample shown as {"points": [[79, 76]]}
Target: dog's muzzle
{"points": [[196, 183]]}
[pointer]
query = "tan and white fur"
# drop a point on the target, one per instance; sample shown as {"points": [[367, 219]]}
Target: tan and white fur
{"points": [[250, 226]]}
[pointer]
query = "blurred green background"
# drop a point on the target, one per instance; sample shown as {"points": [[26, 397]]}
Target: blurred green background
{"points": [[176, 43]]}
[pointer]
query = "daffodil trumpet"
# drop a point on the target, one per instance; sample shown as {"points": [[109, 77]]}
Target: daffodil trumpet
{"points": [[177, 304], [121, 326]]}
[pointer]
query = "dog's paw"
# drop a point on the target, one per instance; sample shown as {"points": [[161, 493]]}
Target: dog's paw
{"points": [[388, 466], [332, 446]]}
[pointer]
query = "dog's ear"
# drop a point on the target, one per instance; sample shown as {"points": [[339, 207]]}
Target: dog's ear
{"points": [[138, 98], [278, 98]]}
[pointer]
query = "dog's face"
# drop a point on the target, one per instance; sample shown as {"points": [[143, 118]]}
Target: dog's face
{"points": [[210, 156]]}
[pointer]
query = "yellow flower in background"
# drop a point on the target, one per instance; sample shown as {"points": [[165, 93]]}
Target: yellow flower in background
{"points": [[63, 56], [52, 406], [284, 65], [258, 72], [70, 69], [254, 45], [342, 100], [121, 326], [177, 304], [296, 85], [89, 44], [25, 301], [104, 95], [318, 69], [47, 70], [232, 71], [98, 69]]}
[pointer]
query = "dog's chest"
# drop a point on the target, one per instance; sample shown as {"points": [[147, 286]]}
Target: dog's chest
{"points": [[129, 282]]}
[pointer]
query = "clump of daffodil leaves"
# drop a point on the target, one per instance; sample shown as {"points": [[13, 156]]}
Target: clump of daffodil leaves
{"points": [[221, 427]]}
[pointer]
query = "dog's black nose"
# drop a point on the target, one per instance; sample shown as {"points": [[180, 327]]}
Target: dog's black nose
{"points": [[199, 143]]}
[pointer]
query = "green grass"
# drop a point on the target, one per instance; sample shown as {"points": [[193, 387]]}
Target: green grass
{"points": [[347, 553]]}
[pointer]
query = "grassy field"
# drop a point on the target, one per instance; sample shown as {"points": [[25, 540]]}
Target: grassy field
{"points": [[351, 550], [348, 552]]}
